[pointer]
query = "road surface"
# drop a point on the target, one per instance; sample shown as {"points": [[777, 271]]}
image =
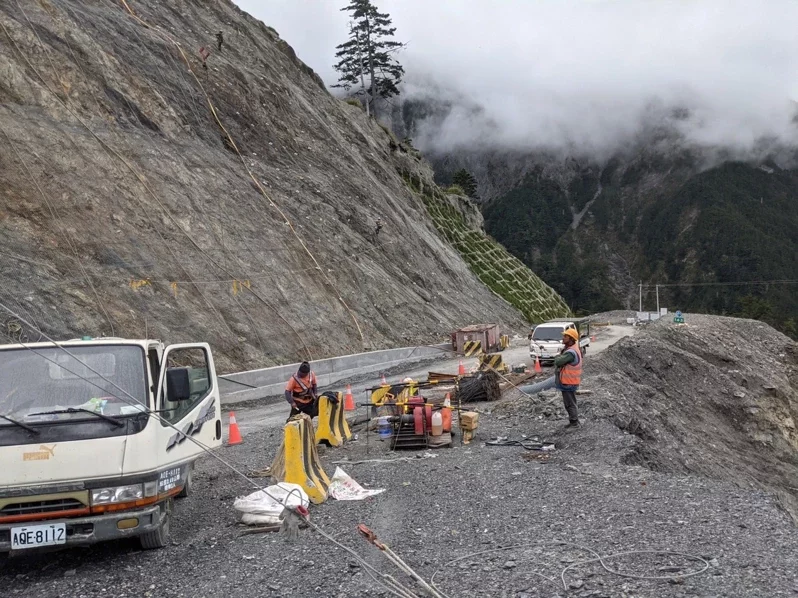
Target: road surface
{"points": [[273, 413]]}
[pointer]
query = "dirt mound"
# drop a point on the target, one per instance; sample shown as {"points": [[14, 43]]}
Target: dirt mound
{"points": [[716, 397]]}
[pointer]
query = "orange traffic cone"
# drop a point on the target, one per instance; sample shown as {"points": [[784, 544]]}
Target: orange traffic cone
{"points": [[234, 434], [538, 369], [384, 382], [461, 369], [349, 400], [446, 413]]}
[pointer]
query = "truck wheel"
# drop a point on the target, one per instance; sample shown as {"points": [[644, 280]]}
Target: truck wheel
{"points": [[584, 350], [160, 537], [188, 487]]}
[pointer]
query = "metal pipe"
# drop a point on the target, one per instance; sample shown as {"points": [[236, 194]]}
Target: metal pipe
{"points": [[532, 389]]}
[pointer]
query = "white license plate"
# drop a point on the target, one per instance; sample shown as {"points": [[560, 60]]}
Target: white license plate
{"points": [[33, 536]]}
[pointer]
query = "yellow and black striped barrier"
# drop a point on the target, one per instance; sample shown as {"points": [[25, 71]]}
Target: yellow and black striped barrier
{"points": [[332, 429], [492, 361], [297, 461], [393, 394], [472, 348]]}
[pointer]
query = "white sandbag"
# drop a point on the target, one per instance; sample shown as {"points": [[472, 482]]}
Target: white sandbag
{"points": [[343, 487], [253, 519], [260, 507]]}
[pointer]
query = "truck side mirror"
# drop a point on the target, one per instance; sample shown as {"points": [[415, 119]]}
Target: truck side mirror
{"points": [[178, 386]]}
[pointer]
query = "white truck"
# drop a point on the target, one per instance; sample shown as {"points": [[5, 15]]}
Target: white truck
{"points": [[87, 444], [545, 340]]}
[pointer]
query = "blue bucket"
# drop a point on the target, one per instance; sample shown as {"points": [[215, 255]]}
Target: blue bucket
{"points": [[384, 428]]}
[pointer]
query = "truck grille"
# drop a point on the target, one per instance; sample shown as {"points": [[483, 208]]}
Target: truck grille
{"points": [[44, 506]]}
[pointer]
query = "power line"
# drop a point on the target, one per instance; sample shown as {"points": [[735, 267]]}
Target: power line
{"points": [[719, 284]]}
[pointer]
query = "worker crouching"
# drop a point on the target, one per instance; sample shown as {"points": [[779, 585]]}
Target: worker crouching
{"points": [[568, 374], [301, 392]]}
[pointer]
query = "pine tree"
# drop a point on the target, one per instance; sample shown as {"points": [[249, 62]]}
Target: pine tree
{"points": [[466, 181], [369, 54]]}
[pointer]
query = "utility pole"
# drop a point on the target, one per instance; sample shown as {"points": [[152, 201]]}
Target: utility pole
{"points": [[658, 301], [641, 295]]}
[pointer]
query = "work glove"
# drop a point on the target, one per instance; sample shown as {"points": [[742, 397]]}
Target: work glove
{"points": [[291, 520]]}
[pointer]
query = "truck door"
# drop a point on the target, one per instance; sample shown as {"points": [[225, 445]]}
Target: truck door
{"points": [[188, 399]]}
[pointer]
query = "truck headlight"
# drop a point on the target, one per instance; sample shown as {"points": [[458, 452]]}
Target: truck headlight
{"points": [[117, 494]]}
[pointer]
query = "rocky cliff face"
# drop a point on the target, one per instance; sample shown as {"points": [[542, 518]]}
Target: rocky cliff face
{"points": [[141, 193]]}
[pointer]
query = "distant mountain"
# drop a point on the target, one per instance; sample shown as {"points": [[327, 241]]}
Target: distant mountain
{"points": [[659, 212]]}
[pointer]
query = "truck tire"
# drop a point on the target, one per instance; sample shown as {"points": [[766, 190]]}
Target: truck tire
{"points": [[584, 349], [188, 487], [160, 537]]}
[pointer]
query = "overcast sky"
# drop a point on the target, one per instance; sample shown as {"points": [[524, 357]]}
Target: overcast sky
{"points": [[579, 73]]}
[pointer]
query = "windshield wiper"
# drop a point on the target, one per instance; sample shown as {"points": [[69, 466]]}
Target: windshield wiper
{"points": [[107, 418], [20, 424]]}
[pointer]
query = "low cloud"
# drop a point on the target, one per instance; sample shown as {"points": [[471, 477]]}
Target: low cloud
{"points": [[582, 76]]}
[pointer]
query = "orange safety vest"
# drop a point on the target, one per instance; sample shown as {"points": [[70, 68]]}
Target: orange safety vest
{"points": [[302, 388], [571, 374]]}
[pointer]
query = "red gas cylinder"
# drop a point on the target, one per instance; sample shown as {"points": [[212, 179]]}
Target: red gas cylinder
{"points": [[418, 414]]}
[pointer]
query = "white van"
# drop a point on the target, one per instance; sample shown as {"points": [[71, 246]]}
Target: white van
{"points": [[83, 458], [545, 340]]}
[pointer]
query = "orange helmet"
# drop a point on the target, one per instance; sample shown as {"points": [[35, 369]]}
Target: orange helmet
{"points": [[572, 334]]}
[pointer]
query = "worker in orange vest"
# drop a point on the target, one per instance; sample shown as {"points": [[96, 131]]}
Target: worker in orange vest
{"points": [[568, 374], [301, 392]]}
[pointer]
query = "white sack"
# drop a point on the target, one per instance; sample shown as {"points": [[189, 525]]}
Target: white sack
{"points": [[343, 487]]}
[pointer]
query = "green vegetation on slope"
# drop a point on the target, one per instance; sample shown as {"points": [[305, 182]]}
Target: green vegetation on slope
{"points": [[533, 222], [503, 273], [732, 223], [728, 224]]}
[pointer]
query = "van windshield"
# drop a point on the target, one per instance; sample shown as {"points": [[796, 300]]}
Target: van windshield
{"points": [[49, 379], [548, 333]]}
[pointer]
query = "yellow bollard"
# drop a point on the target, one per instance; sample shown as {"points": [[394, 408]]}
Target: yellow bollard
{"points": [[297, 461], [329, 429]]}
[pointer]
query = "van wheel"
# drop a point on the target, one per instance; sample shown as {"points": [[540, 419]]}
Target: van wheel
{"points": [[160, 537], [188, 487]]}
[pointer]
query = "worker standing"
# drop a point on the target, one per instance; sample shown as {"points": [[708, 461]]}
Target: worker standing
{"points": [[219, 41], [568, 374], [301, 392]]}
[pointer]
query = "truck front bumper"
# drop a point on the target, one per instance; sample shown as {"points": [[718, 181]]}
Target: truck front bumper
{"points": [[82, 531]]}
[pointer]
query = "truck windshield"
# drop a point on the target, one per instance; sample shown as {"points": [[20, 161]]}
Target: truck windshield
{"points": [[49, 379], [548, 333]]}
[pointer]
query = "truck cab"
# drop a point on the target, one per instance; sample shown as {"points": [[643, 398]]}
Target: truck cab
{"points": [[96, 438], [545, 340]]}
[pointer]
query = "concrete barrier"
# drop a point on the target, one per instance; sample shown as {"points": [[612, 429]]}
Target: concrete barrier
{"points": [[269, 382]]}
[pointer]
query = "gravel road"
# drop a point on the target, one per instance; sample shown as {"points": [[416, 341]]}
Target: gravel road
{"points": [[537, 515], [465, 500], [270, 413]]}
